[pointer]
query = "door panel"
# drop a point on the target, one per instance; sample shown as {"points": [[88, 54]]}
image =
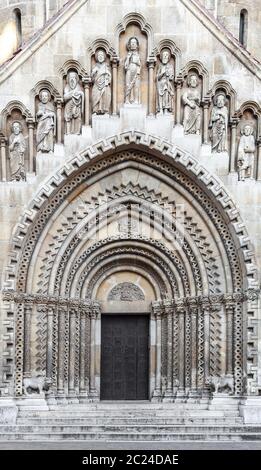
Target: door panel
{"points": [[124, 357]]}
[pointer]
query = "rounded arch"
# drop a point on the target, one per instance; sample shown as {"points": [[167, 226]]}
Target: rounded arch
{"points": [[145, 27], [62, 183], [178, 176]]}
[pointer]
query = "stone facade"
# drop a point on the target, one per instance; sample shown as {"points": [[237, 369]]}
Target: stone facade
{"points": [[131, 182]]}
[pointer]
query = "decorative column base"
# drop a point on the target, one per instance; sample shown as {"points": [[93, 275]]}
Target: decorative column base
{"points": [[93, 395], [156, 396], [168, 396]]}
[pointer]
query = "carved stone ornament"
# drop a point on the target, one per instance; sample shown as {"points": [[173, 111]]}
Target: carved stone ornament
{"points": [[101, 90], [165, 78], [17, 149], [126, 291], [132, 68], [246, 153], [191, 101], [46, 123], [219, 123], [74, 103]]}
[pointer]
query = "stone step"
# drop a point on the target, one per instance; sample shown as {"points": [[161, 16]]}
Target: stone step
{"points": [[134, 413], [130, 420], [130, 436], [126, 427]]}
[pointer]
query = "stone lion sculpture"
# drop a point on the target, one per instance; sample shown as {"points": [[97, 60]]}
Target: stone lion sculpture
{"points": [[37, 383], [221, 384]]}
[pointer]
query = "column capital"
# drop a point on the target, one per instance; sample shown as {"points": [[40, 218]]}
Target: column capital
{"points": [[115, 61], [58, 101], [87, 81], [3, 139], [157, 309], [30, 123], [234, 121], [151, 61]]}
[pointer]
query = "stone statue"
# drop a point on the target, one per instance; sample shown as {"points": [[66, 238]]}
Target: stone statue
{"points": [[46, 127], [74, 102], [165, 88], [132, 68], [246, 153], [17, 149], [221, 384], [219, 124], [191, 101], [37, 383], [101, 90]]}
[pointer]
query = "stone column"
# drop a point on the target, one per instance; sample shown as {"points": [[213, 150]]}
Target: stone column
{"points": [[94, 313], [87, 84], [206, 104], [194, 330], [30, 124], [114, 64], [61, 350], [28, 308], [206, 312], [178, 100], [168, 307], [3, 157], [229, 308], [187, 350], [233, 146], [151, 64], [175, 349], [157, 313], [180, 309], [59, 121], [84, 351], [72, 348], [259, 159], [50, 313]]}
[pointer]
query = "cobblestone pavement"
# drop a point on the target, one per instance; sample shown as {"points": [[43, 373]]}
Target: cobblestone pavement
{"points": [[86, 445]]}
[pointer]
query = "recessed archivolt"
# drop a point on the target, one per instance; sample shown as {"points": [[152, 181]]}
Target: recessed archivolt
{"points": [[178, 165], [196, 239], [174, 279], [182, 252]]}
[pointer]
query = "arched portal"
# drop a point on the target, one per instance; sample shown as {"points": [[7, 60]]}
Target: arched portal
{"points": [[132, 226]]}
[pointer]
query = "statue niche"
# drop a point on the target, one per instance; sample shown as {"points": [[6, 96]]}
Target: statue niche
{"points": [[46, 123], [219, 123], [17, 149], [74, 104], [165, 86], [132, 67], [101, 79], [246, 153], [191, 100]]}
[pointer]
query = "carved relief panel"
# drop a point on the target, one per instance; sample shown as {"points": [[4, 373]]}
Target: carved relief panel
{"points": [[246, 151], [46, 128], [165, 75], [73, 102], [133, 71], [191, 100], [101, 77], [17, 146]]}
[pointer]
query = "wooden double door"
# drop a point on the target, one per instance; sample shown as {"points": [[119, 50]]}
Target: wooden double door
{"points": [[124, 357]]}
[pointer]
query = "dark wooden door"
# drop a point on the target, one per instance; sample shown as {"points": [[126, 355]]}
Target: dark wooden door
{"points": [[124, 357]]}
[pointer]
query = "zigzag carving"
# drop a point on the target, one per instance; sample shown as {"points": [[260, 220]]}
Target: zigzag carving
{"points": [[111, 194]]}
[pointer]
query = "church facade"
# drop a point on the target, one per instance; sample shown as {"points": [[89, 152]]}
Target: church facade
{"points": [[130, 212]]}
